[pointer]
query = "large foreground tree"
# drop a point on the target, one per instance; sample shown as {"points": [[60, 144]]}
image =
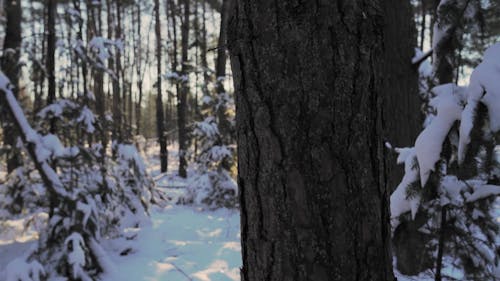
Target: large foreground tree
{"points": [[310, 82]]}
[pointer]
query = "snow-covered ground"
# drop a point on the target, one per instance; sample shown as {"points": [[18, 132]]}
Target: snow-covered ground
{"points": [[181, 242]]}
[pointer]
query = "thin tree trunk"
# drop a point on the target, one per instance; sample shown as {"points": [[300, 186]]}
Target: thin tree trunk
{"points": [[203, 52], [220, 73], [51, 56], [313, 197], [171, 10], [442, 234], [160, 123], [182, 99], [138, 64], [10, 67], [445, 63], [94, 25], [423, 24], [402, 117], [38, 73], [117, 99], [39, 99], [120, 70]]}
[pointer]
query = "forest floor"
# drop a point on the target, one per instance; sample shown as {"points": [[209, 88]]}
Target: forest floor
{"points": [[180, 242]]}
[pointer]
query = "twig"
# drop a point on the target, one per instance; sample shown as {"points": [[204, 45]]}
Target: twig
{"points": [[181, 271], [417, 61]]}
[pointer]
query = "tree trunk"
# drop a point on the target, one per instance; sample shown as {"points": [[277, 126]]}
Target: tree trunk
{"points": [[220, 72], [402, 116], [117, 99], [160, 123], [423, 23], [203, 51], [402, 119], [449, 29], [51, 56], [98, 77], [138, 65], [182, 95], [313, 195], [10, 67]]}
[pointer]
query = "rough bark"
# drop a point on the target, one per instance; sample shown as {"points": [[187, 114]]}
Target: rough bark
{"points": [[313, 195], [10, 67]]}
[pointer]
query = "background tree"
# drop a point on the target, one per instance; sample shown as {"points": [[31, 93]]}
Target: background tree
{"points": [[51, 55], [10, 66], [159, 101], [184, 92]]}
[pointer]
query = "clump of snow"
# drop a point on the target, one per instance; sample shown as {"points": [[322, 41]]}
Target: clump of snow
{"points": [[129, 153], [76, 255], [176, 76], [400, 203], [448, 103], [206, 100], [86, 209], [56, 109], [88, 119], [21, 270], [51, 147], [213, 189], [452, 189], [483, 191], [484, 86], [102, 47], [208, 127]]}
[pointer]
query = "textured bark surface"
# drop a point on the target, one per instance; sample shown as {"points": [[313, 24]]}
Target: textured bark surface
{"points": [[308, 81]]}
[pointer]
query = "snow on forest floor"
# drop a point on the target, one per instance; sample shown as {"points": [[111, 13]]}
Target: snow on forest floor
{"points": [[180, 243]]}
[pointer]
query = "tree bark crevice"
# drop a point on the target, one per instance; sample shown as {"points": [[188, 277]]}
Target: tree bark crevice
{"points": [[311, 169]]}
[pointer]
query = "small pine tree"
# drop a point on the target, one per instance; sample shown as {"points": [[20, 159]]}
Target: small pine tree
{"points": [[451, 176], [212, 184], [88, 196]]}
